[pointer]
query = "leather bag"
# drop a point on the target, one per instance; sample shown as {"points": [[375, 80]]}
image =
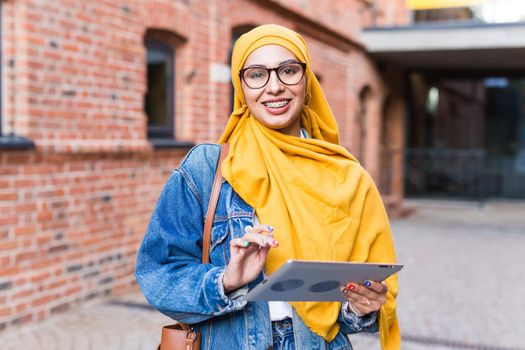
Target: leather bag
{"points": [[181, 336]]}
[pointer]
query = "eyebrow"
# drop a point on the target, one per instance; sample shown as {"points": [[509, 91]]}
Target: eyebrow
{"points": [[291, 60]]}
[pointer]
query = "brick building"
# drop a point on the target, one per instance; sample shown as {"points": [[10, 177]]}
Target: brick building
{"points": [[101, 99]]}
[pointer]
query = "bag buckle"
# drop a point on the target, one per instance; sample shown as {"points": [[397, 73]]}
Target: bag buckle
{"points": [[191, 336]]}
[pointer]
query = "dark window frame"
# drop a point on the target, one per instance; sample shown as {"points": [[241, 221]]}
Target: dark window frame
{"points": [[9, 142], [236, 34], [164, 132]]}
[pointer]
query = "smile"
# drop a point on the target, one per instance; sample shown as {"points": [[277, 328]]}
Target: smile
{"points": [[276, 104]]}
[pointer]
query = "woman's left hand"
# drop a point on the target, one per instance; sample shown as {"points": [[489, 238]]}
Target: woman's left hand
{"points": [[367, 298]]}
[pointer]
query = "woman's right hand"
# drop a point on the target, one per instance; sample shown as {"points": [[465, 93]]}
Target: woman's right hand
{"points": [[247, 256]]}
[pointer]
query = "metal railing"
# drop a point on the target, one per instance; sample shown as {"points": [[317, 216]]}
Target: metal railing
{"points": [[444, 173], [450, 173]]}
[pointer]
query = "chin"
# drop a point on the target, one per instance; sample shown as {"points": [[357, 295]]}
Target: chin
{"points": [[277, 124]]}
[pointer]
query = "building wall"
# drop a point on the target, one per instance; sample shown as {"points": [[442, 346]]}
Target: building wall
{"points": [[74, 210]]}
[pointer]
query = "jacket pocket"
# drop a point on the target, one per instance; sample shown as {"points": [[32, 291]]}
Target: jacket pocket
{"points": [[223, 232], [220, 233]]}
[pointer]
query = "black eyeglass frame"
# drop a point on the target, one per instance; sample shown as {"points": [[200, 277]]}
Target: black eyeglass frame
{"points": [[269, 70]]}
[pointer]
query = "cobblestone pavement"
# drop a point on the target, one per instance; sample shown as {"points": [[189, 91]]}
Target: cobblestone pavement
{"points": [[461, 288], [462, 284]]}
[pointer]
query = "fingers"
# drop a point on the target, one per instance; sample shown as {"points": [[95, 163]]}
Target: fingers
{"points": [[378, 287], [370, 289], [253, 240], [239, 243], [355, 310], [365, 298], [354, 305], [261, 235], [355, 297], [261, 228], [259, 239]]}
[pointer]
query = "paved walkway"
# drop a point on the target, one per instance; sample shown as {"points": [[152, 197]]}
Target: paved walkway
{"points": [[462, 288]]}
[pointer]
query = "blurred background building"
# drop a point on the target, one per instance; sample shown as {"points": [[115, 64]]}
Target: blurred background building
{"points": [[463, 65], [101, 99]]}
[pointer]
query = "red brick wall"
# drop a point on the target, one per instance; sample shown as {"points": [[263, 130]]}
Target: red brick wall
{"points": [[73, 211], [70, 226]]}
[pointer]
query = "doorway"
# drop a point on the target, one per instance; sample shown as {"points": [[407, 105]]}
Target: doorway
{"points": [[466, 136]]}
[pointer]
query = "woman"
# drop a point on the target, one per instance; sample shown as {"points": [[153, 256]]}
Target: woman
{"points": [[291, 192]]}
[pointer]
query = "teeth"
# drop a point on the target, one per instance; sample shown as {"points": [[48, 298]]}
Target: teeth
{"points": [[278, 104]]}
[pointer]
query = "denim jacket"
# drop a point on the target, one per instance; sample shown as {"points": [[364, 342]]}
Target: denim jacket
{"points": [[173, 279]]}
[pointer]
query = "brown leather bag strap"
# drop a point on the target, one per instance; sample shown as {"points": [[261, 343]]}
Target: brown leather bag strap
{"points": [[212, 205], [182, 335]]}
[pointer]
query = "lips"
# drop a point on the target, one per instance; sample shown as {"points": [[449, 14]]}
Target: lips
{"points": [[277, 107]]}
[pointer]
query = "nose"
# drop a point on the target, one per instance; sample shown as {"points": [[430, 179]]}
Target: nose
{"points": [[274, 85]]}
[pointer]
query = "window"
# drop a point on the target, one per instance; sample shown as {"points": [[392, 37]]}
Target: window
{"points": [[365, 97], [159, 98], [10, 140], [236, 33]]}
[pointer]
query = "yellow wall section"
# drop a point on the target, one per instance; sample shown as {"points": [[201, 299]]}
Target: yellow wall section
{"points": [[434, 4]]}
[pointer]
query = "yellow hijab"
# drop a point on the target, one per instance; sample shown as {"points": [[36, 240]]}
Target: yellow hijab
{"points": [[320, 201]]}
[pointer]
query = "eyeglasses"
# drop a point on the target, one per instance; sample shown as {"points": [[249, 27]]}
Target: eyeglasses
{"points": [[257, 77]]}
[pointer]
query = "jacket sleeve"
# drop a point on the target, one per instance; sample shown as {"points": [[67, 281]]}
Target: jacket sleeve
{"points": [[169, 269], [351, 323]]}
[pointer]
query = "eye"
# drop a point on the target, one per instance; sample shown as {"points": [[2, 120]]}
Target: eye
{"points": [[290, 69], [256, 74]]}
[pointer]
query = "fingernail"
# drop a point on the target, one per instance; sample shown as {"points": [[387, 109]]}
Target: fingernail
{"points": [[368, 284], [247, 229], [275, 243], [350, 286], [269, 228], [345, 291], [245, 243]]}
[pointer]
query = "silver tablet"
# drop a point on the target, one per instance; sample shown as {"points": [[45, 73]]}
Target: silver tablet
{"points": [[299, 280]]}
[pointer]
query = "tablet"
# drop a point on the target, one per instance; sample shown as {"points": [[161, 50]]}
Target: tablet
{"points": [[299, 280]]}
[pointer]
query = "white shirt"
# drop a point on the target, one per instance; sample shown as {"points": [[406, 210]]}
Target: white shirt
{"points": [[279, 310]]}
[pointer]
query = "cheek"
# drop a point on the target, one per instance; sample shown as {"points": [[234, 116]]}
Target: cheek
{"points": [[300, 93], [251, 97]]}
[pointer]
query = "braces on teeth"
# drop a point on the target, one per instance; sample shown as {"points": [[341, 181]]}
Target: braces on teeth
{"points": [[276, 104]]}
